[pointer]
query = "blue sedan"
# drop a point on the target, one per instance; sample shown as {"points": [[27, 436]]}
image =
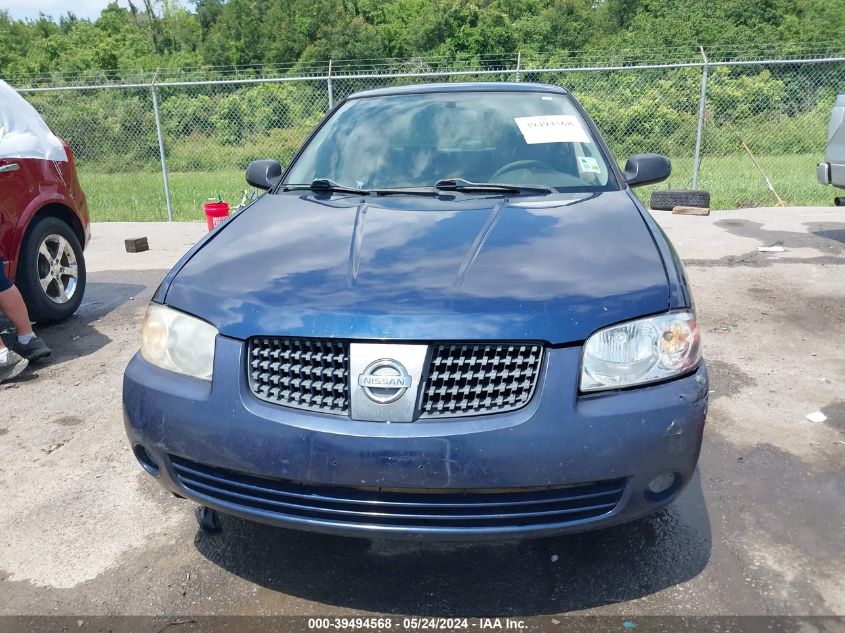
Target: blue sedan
{"points": [[449, 317]]}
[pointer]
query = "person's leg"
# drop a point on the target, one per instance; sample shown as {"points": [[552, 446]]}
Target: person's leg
{"points": [[12, 305], [11, 364]]}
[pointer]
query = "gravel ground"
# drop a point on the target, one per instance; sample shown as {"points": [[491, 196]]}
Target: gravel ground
{"points": [[759, 531]]}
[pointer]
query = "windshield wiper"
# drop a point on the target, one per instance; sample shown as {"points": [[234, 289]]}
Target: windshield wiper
{"points": [[406, 191], [446, 184], [324, 184], [459, 184]]}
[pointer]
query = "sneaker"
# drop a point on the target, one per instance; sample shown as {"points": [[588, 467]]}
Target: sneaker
{"points": [[13, 366], [36, 349]]}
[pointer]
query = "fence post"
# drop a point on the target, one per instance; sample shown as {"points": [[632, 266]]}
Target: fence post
{"points": [[161, 154], [518, 64], [329, 82], [698, 133]]}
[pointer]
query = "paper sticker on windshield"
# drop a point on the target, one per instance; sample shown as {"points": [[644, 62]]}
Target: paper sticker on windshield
{"points": [[588, 165], [555, 128]]}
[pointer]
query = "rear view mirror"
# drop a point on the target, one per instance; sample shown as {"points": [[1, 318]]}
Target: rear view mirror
{"points": [[263, 174], [646, 169]]}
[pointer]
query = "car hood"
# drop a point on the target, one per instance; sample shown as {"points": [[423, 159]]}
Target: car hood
{"points": [[553, 268]]}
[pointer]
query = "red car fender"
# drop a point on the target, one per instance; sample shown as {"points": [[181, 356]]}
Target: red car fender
{"points": [[39, 202], [62, 190]]}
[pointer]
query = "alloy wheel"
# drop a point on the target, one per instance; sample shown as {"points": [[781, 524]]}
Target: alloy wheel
{"points": [[58, 271]]}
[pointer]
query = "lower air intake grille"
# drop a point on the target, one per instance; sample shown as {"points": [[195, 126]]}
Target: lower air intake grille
{"points": [[308, 374], [371, 507], [480, 379]]}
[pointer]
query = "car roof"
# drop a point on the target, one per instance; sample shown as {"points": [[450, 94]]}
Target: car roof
{"points": [[472, 86]]}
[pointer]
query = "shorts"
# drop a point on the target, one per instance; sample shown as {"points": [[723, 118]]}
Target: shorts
{"points": [[5, 284]]}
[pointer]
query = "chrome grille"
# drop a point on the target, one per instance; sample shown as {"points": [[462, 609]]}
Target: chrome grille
{"points": [[462, 380], [480, 379], [303, 373]]}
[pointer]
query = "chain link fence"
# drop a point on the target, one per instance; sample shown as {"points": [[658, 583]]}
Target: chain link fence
{"points": [[160, 147]]}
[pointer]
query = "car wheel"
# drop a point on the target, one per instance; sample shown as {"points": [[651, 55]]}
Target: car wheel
{"points": [[51, 270], [668, 199]]}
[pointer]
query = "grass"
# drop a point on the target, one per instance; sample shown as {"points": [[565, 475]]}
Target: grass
{"points": [[139, 197], [733, 182]]}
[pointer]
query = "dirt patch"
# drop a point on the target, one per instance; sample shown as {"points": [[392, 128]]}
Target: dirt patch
{"points": [[782, 539], [727, 379], [755, 259], [4, 431], [68, 420], [797, 546], [835, 413], [762, 292], [835, 234], [812, 312], [824, 236]]}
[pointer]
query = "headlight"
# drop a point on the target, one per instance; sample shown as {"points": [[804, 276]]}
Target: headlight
{"points": [[639, 352], [179, 342]]}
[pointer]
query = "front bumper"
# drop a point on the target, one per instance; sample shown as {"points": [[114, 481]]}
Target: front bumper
{"points": [[823, 173], [831, 174], [564, 463]]}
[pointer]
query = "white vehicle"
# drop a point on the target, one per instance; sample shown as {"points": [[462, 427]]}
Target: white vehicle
{"points": [[832, 170]]}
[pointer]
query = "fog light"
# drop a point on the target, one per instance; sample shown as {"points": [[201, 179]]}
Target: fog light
{"points": [[662, 483], [147, 462]]}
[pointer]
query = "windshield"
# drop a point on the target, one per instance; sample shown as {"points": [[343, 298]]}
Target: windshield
{"points": [[415, 140]]}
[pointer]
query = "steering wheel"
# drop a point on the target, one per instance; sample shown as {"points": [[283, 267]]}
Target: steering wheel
{"points": [[522, 164]]}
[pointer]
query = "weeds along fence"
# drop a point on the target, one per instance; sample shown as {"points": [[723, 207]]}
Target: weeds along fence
{"points": [[159, 147]]}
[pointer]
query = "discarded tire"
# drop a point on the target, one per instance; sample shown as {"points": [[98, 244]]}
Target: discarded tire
{"points": [[668, 199]]}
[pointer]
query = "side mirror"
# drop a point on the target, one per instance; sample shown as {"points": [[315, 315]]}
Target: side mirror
{"points": [[646, 169], [263, 174]]}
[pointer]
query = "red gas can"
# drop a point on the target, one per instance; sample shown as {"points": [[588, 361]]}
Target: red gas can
{"points": [[215, 213]]}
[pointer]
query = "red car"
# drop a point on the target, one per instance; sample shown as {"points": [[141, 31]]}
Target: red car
{"points": [[44, 227]]}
